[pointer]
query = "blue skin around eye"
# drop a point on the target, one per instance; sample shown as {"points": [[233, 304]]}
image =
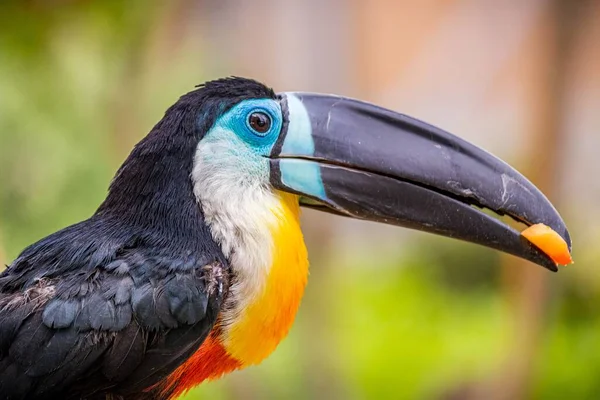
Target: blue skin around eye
{"points": [[236, 120], [300, 175]]}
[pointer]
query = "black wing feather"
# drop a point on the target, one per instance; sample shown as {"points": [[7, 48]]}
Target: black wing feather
{"points": [[118, 324]]}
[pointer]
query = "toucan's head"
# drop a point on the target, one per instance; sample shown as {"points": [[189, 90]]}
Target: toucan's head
{"points": [[338, 155]]}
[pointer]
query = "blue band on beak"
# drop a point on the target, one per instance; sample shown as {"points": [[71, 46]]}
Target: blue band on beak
{"points": [[300, 175]]}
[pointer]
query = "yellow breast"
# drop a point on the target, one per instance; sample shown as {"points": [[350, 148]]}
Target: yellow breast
{"points": [[268, 319]]}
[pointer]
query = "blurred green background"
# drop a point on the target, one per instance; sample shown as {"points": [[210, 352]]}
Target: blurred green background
{"points": [[388, 313]]}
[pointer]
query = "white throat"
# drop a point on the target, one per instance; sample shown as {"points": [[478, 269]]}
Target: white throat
{"points": [[239, 210]]}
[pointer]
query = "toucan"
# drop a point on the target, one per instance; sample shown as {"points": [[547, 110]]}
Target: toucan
{"points": [[195, 264]]}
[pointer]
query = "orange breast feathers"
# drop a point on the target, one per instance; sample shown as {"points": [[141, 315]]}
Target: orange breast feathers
{"points": [[265, 321], [211, 361]]}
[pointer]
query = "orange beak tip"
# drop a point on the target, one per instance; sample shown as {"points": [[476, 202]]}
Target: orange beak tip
{"points": [[549, 242]]}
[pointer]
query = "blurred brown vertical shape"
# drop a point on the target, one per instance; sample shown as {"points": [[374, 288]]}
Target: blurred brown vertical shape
{"points": [[527, 286], [390, 33]]}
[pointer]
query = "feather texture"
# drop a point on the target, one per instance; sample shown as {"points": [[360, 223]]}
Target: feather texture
{"points": [[122, 331]]}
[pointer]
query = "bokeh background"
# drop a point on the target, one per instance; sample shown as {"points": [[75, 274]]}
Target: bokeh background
{"points": [[388, 313]]}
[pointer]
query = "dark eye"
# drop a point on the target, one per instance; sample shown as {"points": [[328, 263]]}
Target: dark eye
{"points": [[260, 122]]}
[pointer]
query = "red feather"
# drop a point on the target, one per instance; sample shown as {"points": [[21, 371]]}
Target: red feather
{"points": [[210, 361]]}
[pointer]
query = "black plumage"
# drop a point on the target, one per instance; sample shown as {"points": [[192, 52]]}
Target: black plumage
{"points": [[113, 304]]}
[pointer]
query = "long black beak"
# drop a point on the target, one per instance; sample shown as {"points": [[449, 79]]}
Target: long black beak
{"points": [[364, 161]]}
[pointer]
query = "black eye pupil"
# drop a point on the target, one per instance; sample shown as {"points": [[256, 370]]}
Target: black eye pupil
{"points": [[260, 122]]}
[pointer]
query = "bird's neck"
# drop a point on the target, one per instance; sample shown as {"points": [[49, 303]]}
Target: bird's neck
{"points": [[260, 234]]}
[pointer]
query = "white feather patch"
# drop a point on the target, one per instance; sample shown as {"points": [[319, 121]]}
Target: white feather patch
{"points": [[239, 207]]}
